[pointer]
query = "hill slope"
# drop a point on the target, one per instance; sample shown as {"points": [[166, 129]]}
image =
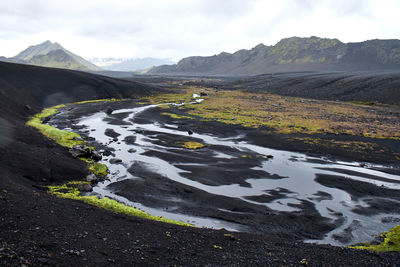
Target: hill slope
{"points": [[50, 54], [294, 54], [40, 87]]}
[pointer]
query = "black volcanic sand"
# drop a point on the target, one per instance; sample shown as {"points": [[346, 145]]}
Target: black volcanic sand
{"points": [[41, 230]]}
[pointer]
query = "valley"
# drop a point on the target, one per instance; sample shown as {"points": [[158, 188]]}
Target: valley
{"points": [[267, 171]]}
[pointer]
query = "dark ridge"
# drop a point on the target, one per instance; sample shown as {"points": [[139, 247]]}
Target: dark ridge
{"points": [[293, 54], [41, 87], [363, 86], [24, 91]]}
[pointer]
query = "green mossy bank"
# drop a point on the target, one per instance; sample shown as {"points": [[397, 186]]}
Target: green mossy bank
{"points": [[70, 190]]}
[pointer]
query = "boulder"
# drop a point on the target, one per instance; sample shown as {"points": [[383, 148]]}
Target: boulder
{"points": [[109, 110], [107, 152], [83, 187], [115, 161], [96, 156], [203, 94], [111, 133], [91, 178], [80, 151], [130, 140]]}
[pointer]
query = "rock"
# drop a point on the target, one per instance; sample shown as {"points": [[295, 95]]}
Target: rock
{"points": [[304, 262], [80, 151], [46, 119], [109, 110], [190, 132], [132, 150], [107, 152], [28, 108], [96, 156], [203, 94], [115, 161], [130, 140], [291, 125], [91, 178], [76, 138], [269, 156], [111, 133], [85, 187]]}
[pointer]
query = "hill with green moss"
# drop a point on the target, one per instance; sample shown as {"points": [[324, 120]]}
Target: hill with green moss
{"points": [[294, 54], [48, 54]]}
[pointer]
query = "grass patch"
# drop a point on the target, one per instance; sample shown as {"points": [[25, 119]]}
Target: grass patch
{"points": [[176, 116], [70, 191], [64, 138], [287, 115], [98, 169], [348, 145], [192, 145], [391, 242]]}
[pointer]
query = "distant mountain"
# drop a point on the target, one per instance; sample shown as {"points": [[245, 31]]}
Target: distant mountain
{"points": [[129, 64], [294, 54], [50, 54]]}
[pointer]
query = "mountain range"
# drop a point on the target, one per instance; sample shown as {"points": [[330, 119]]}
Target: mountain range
{"points": [[293, 54], [48, 54]]}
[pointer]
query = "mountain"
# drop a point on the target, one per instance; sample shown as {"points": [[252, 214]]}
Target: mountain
{"points": [[129, 64], [50, 54], [294, 54]]}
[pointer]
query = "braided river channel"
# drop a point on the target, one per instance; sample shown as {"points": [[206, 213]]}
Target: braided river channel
{"points": [[233, 182]]}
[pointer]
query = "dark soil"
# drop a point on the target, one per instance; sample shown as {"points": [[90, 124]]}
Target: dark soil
{"points": [[39, 229]]}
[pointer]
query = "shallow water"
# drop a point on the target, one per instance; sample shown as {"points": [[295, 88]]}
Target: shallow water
{"points": [[289, 177]]}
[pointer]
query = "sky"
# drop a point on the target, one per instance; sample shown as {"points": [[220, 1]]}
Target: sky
{"points": [[175, 29]]}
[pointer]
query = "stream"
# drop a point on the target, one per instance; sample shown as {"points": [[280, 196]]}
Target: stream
{"points": [[172, 181]]}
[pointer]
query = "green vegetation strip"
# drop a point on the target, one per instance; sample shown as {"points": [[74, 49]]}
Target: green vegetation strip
{"points": [[64, 138], [391, 242], [176, 116], [193, 145], [70, 191]]}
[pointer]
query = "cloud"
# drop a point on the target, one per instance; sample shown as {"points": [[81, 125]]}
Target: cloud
{"points": [[178, 28]]}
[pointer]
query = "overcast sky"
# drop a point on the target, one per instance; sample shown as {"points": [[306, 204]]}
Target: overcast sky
{"points": [[179, 28]]}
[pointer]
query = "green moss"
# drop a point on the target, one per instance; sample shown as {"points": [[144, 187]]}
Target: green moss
{"points": [[98, 100], [98, 169], [175, 116], [193, 145], [365, 103], [70, 191], [64, 138], [391, 242], [176, 98]]}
